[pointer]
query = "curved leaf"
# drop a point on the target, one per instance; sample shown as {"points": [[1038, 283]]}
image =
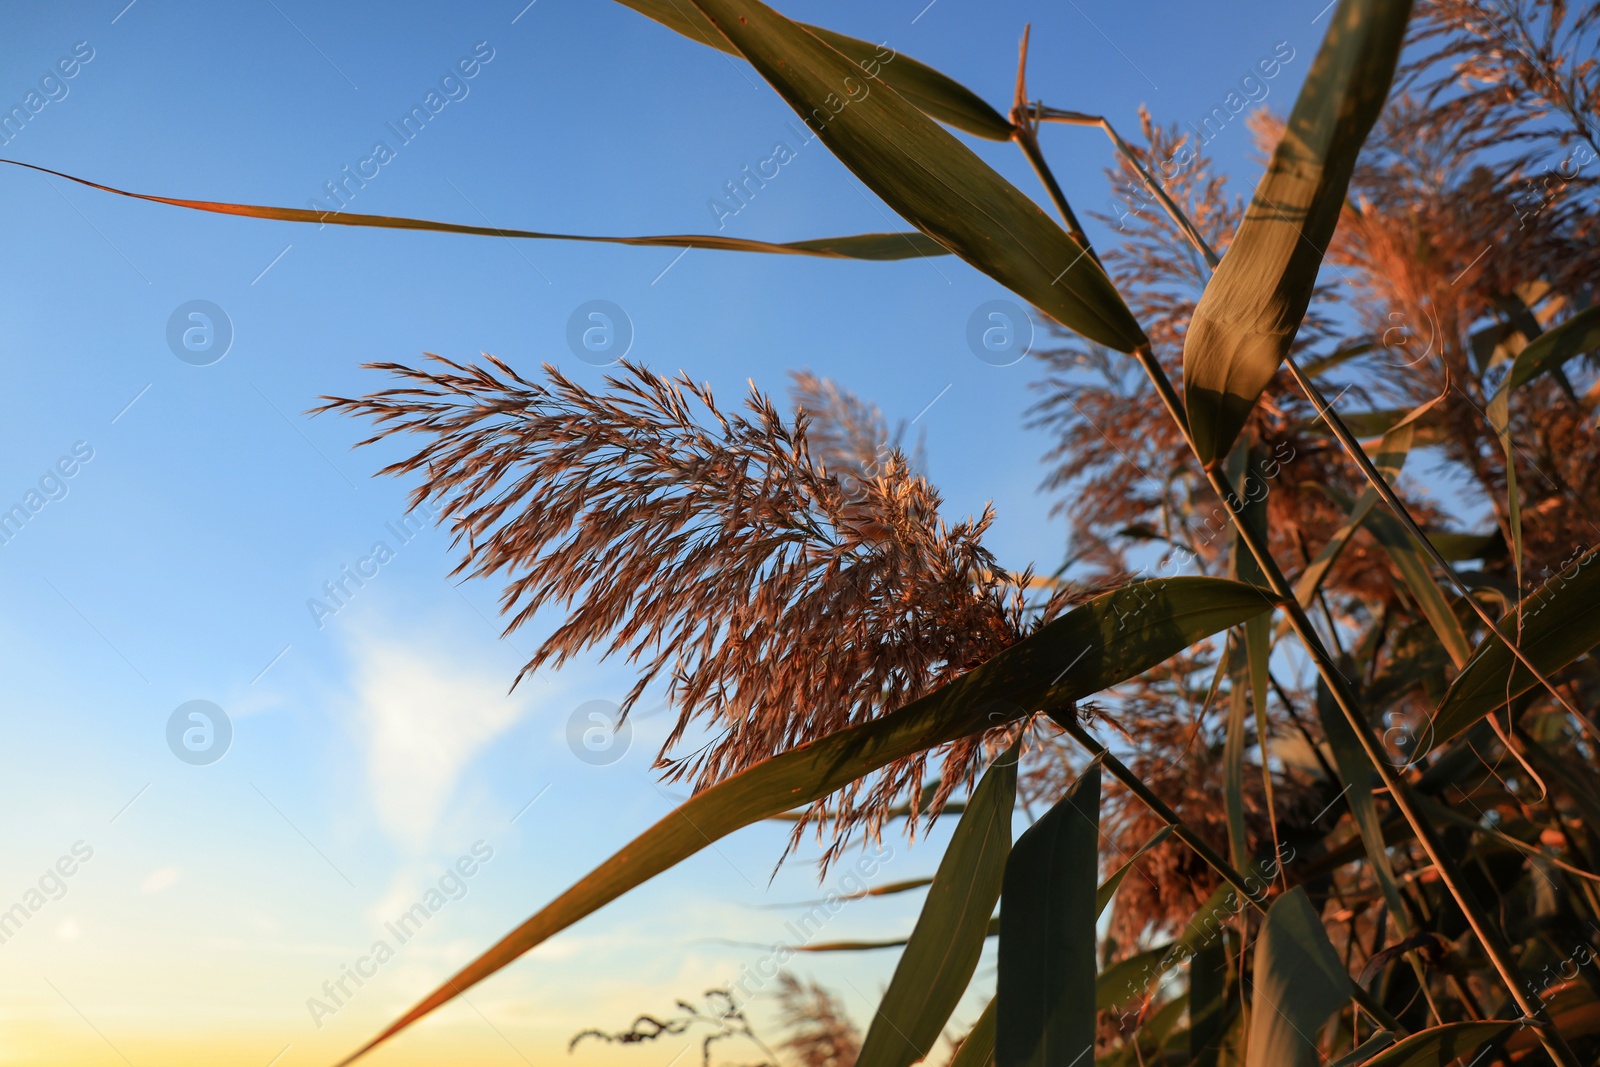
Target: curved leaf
{"points": [[1458, 547], [1129, 979], [1298, 983], [1419, 582], [1205, 929], [1107, 640], [1498, 414], [1376, 423], [977, 1048], [876, 246], [936, 94], [1233, 754], [1355, 771], [1157, 1040], [1102, 897], [992, 930], [927, 175], [852, 946], [1440, 1044], [1557, 624], [1398, 438], [1317, 365], [1211, 1009], [1247, 472], [1252, 307], [945, 944], [1108, 888], [1549, 350], [1365, 1051], [1045, 995], [875, 891]]}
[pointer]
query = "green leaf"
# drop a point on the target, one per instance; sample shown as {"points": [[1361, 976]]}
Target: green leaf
{"points": [[1449, 1043], [1419, 582], [1212, 918], [1555, 626], [1318, 365], [851, 946], [944, 946], [1046, 987], [1208, 1002], [1298, 983], [874, 246], [1547, 351], [1499, 416], [977, 1049], [1233, 756], [1414, 574], [992, 930], [1459, 547], [1252, 307], [1396, 445], [1158, 1031], [1248, 477], [1551, 349], [1356, 773], [934, 93], [1108, 888], [908, 884], [1102, 898], [1366, 1050], [1128, 979], [1107, 640], [1364, 424], [1204, 929], [927, 175]]}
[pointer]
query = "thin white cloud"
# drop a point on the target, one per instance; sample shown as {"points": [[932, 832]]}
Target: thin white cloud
{"points": [[424, 715]]}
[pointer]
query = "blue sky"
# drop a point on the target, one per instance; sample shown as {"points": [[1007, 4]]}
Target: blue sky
{"points": [[371, 752]]}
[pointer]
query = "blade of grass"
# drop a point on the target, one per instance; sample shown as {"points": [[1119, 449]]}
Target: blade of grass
{"points": [[1251, 890], [1108, 888], [1416, 579], [874, 246], [1298, 982], [977, 1049], [1208, 1002], [1558, 623], [1365, 1051], [1251, 309], [944, 946], [935, 94], [1551, 349], [1451, 1043], [1355, 773], [1128, 979], [1392, 453], [923, 172], [1258, 631], [1499, 416], [1045, 1000], [1233, 757]]}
